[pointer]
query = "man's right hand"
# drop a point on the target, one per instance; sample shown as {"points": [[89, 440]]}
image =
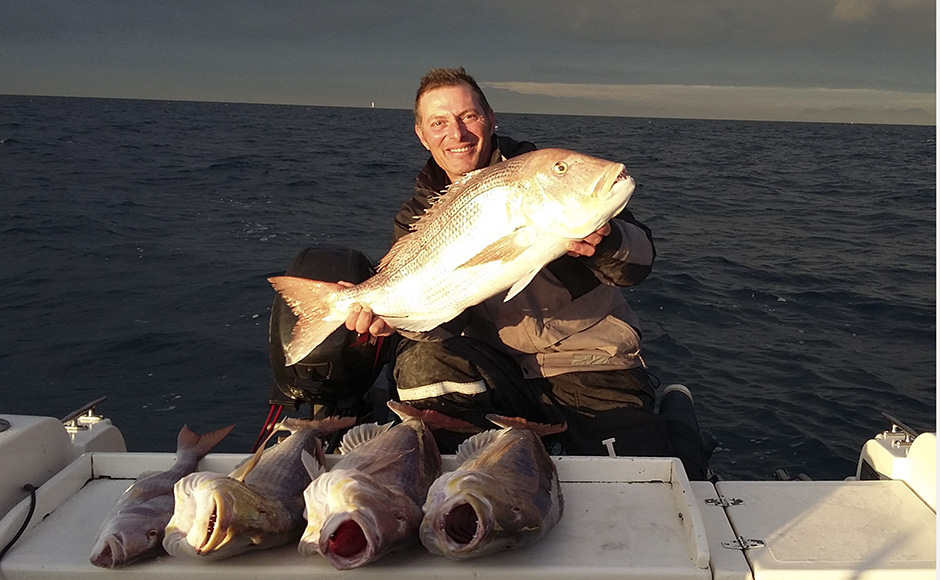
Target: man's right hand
{"points": [[362, 320]]}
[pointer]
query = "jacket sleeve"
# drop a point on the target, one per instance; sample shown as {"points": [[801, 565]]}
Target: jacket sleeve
{"points": [[625, 256]]}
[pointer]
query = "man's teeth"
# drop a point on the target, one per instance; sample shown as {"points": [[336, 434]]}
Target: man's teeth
{"points": [[460, 150]]}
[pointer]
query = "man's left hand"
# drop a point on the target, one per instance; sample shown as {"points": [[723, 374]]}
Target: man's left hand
{"points": [[588, 245]]}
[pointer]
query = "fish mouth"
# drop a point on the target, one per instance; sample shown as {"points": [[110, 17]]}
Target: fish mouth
{"points": [[212, 535], [615, 175], [109, 553], [616, 183], [349, 544], [461, 525]]}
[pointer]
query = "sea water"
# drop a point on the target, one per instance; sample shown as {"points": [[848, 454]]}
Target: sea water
{"points": [[794, 289]]}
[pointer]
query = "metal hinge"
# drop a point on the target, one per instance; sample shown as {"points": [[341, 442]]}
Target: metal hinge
{"points": [[723, 502], [742, 543]]}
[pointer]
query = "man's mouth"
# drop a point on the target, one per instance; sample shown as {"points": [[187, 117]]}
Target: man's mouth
{"points": [[465, 149]]}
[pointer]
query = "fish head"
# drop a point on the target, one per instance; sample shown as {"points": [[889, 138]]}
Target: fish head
{"points": [[353, 520], [470, 514], [217, 516], [128, 537], [458, 520], [570, 194]]}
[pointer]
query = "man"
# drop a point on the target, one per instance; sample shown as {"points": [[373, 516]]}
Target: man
{"points": [[566, 348]]}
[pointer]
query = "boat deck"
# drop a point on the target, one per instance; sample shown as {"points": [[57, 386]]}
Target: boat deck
{"points": [[624, 518]]}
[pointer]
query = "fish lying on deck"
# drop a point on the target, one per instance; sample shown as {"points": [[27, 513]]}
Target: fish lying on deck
{"points": [[369, 503], [505, 493], [259, 505], [491, 231], [133, 529]]}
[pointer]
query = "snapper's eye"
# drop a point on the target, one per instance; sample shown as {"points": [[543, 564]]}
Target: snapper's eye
{"points": [[560, 168]]}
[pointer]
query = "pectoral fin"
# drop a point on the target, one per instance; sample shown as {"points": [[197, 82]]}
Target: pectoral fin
{"points": [[520, 285], [505, 249]]}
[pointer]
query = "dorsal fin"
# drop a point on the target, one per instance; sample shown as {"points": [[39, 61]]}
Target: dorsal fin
{"points": [[360, 434], [540, 429], [313, 465], [475, 443], [452, 199], [245, 468]]}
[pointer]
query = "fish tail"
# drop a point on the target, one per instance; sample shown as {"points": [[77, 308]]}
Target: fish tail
{"points": [[311, 301], [200, 445]]}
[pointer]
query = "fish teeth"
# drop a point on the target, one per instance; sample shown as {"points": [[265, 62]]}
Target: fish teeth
{"points": [[210, 526]]}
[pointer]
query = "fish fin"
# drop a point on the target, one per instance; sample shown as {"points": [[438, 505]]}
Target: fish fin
{"points": [[141, 491], [185, 485], [244, 468], [449, 199], [200, 445], [420, 324], [520, 285], [381, 463], [310, 300], [313, 465], [540, 429], [466, 449], [433, 419], [361, 434], [505, 249]]}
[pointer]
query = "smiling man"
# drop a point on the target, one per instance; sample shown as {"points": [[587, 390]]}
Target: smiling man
{"points": [[565, 349], [456, 124]]}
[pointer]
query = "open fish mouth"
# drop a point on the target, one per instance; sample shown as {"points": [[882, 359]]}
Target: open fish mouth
{"points": [[616, 174], [213, 533], [349, 544], [210, 528], [348, 540], [461, 525], [111, 553]]}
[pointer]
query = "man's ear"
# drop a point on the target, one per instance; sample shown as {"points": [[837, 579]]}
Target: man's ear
{"points": [[421, 137]]}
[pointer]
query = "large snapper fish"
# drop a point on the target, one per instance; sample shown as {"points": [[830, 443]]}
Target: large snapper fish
{"points": [[369, 503], [259, 505], [490, 231], [134, 528], [505, 493]]}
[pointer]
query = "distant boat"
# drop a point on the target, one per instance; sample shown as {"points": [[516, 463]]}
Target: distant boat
{"points": [[373, 104]]}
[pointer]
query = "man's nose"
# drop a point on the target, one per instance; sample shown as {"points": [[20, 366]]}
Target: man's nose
{"points": [[458, 129]]}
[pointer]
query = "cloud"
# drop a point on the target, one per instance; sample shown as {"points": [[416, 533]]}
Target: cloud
{"points": [[725, 102]]}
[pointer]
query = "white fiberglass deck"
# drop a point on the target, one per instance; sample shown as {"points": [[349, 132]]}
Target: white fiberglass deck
{"points": [[623, 517], [636, 518]]}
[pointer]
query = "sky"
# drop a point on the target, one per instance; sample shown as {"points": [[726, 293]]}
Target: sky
{"points": [[863, 61]]}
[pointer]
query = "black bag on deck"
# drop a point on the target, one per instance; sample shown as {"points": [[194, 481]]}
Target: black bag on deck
{"points": [[340, 370]]}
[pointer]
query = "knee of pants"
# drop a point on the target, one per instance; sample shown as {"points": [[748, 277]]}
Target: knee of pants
{"points": [[419, 363]]}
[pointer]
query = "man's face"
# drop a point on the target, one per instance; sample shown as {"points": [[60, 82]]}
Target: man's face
{"points": [[454, 128]]}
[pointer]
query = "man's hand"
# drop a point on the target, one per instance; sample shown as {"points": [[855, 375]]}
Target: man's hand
{"points": [[588, 245], [362, 320]]}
